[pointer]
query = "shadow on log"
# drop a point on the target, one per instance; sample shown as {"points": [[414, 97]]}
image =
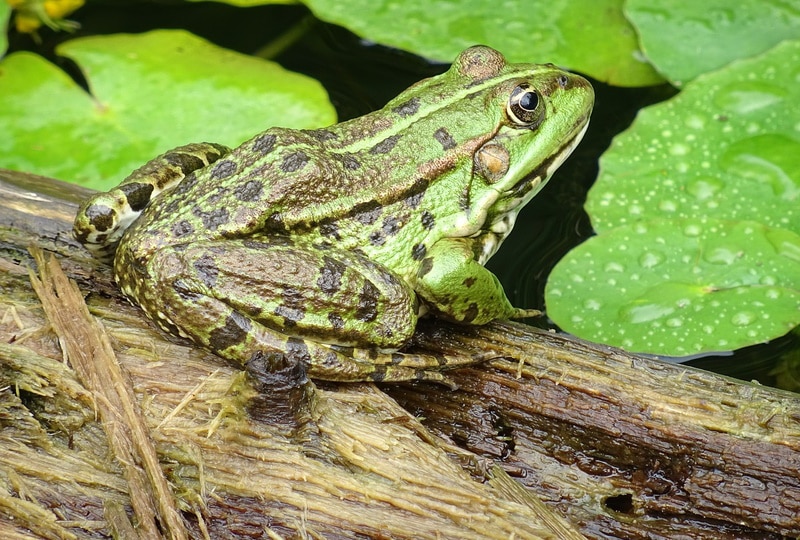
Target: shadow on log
{"points": [[112, 428]]}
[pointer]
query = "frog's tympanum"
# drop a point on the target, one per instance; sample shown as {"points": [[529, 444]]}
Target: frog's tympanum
{"points": [[326, 245]]}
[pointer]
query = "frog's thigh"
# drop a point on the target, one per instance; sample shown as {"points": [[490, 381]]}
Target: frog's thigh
{"points": [[329, 296], [232, 335], [457, 287]]}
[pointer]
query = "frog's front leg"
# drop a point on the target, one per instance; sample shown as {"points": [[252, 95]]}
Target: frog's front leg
{"points": [[331, 310], [455, 286]]}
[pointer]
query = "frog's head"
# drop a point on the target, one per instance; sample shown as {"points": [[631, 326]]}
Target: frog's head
{"points": [[534, 116]]}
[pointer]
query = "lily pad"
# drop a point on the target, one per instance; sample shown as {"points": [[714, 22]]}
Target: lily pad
{"points": [[590, 36], [148, 93], [722, 157], [679, 287], [249, 3], [726, 147], [686, 39]]}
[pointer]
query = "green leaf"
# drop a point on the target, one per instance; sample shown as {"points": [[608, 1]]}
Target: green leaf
{"points": [[686, 39], [680, 287], [250, 3], [722, 157], [726, 147], [590, 36], [149, 93]]}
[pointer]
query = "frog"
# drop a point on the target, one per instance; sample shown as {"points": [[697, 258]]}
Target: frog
{"points": [[326, 246]]}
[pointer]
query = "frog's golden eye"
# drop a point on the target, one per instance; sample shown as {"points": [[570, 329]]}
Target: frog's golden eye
{"points": [[524, 107]]}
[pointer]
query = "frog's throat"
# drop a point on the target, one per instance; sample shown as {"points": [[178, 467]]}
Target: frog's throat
{"points": [[512, 200]]}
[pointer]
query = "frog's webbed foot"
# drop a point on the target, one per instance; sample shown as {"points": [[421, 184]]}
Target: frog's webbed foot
{"points": [[323, 361], [350, 364]]}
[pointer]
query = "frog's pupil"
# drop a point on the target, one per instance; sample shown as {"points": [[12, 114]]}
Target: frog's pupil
{"points": [[529, 101]]}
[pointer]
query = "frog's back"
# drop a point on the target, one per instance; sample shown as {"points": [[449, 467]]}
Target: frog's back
{"points": [[283, 181]]}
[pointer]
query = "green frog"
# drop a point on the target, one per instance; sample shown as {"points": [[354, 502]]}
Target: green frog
{"points": [[327, 245]]}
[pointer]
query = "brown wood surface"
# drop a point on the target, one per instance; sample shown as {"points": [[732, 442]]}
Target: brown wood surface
{"points": [[109, 427]]}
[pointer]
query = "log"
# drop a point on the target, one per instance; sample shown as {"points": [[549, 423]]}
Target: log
{"points": [[112, 428]]}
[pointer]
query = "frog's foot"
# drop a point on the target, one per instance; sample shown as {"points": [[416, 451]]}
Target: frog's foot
{"points": [[336, 363], [348, 364]]}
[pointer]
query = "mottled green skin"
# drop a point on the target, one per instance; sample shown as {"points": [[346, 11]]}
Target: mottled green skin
{"points": [[325, 245]]}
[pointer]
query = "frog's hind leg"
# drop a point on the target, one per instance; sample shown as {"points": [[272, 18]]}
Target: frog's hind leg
{"points": [[231, 334], [239, 298]]}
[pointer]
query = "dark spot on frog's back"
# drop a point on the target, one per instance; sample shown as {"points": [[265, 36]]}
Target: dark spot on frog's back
{"points": [[234, 332], [218, 193], [214, 219], [294, 162], [444, 138], [376, 238], [391, 226], [137, 194], [330, 230], [249, 191], [408, 108], [223, 169], [291, 315], [418, 251], [428, 221], [264, 144], [367, 213], [350, 162], [182, 228], [386, 145]]}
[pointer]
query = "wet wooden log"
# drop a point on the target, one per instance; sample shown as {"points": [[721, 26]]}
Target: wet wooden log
{"points": [[111, 427]]}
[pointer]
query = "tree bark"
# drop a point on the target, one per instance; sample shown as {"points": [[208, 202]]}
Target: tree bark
{"points": [[110, 427]]}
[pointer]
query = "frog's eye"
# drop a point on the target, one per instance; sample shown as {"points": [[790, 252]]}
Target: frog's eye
{"points": [[524, 106]]}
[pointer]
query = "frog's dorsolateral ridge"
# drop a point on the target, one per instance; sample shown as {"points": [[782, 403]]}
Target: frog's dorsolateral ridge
{"points": [[326, 245]]}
